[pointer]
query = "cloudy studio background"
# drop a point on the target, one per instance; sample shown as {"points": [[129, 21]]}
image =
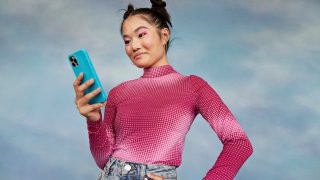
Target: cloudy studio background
{"points": [[262, 57]]}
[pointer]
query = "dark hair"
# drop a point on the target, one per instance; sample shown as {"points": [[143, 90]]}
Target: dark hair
{"points": [[156, 15]]}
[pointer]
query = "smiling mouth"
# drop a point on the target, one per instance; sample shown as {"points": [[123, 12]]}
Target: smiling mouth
{"points": [[137, 56]]}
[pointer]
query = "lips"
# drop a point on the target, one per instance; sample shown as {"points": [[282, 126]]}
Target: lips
{"points": [[137, 55]]}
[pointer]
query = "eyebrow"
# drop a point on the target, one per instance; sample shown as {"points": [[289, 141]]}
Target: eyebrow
{"points": [[136, 30]]}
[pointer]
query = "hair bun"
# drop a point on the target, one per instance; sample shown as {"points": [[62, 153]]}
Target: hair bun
{"points": [[129, 10], [130, 7], [158, 4]]}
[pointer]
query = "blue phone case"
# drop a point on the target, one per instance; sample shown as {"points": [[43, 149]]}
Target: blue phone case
{"points": [[80, 62]]}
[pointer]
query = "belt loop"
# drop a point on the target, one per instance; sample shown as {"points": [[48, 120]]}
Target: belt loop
{"points": [[106, 169], [108, 165], [143, 171]]}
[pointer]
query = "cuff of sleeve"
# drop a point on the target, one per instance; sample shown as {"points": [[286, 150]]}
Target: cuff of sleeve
{"points": [[94, 126]]}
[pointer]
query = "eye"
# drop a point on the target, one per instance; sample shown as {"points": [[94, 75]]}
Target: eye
{"points": [[126, 41], [142, 34]]}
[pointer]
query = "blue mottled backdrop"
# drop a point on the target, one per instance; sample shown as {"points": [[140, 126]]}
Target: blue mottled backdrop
{"points": [[262, 57]]}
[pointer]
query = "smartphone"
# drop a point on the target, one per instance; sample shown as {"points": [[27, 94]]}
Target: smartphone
{"points": [[81, 62]]}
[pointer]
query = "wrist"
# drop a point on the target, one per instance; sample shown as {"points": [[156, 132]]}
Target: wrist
{"points": [[94, 117]]}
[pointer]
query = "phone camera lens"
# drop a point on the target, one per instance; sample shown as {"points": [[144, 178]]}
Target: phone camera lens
{"points": [[74, 61], [72, 58]]}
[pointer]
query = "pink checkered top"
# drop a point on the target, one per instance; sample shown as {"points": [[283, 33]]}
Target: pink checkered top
{"points": [[146, 121]]}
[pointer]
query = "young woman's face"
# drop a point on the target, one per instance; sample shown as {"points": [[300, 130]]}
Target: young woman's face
{"points": [[143, 44]]}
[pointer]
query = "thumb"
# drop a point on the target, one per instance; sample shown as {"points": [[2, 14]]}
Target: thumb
{"points": [[103, 104]]}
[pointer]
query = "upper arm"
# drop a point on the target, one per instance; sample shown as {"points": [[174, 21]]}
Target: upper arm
{"points": [[214, 111]]}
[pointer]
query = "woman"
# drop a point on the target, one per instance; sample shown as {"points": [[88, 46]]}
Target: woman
{"points": [[146, 119]]}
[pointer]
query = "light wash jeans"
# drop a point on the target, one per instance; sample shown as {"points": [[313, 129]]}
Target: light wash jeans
{"points": [[121, 170]]}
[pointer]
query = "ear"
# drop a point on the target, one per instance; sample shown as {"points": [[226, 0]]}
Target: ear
{"points": [[165, 36]]}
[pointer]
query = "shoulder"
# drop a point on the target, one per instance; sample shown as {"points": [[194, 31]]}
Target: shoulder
{"points": [[200, 86], [113, 95], [196, 78], [122, 87], [118, 87], [197, 81]]}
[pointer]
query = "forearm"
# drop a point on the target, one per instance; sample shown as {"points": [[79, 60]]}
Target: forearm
{"points": [[230, 160], [100, 143]]}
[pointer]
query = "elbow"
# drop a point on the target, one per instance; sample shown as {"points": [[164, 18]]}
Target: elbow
{"points": [[249, 148], [241, 144], [245, 145]]}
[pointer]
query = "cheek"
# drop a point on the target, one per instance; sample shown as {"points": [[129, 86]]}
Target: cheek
{"points": [[148, 43], [128, 50]]}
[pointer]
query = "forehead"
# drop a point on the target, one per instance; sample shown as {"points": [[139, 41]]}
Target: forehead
{"points": [[134, 22]]}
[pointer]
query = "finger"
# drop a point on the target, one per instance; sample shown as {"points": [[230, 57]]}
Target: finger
{"points": [[104, 104], [80, 89], [85, 99], [81, 101], [76, 85], [85, 85], [84, 110], [154, 177], [78, 80]]}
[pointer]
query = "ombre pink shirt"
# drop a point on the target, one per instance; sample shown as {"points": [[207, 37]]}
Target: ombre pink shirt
{"points": [[146, 121]]}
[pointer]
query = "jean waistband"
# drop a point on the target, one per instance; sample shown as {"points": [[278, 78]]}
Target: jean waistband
{"points": [[116, 168], [122, 162]]}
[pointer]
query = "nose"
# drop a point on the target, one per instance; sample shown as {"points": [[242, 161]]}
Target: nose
{"points": [[135, 44]]}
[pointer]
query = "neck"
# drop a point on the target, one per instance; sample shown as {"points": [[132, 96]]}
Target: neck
{"points": [[158, 71], [160, 62]]}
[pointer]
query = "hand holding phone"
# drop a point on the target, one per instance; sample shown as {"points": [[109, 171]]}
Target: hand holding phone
{"points": [[90, 95], [81, 63], [92, 112]]}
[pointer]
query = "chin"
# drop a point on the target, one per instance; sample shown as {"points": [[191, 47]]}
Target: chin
{"points": [[141, 64]]}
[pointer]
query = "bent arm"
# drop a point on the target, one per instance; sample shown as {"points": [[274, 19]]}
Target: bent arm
{"points": [[236, 149], [236, 145]]}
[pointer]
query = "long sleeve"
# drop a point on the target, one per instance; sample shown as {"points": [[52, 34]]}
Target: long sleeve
{"points": [[236, 145], [146, 121], [101, 133]]}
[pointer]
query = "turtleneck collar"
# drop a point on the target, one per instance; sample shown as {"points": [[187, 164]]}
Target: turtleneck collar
{"points": [[157, 71]]}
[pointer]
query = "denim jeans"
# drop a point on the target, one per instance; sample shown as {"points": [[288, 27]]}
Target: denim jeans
{"points": [[121, 170]]}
